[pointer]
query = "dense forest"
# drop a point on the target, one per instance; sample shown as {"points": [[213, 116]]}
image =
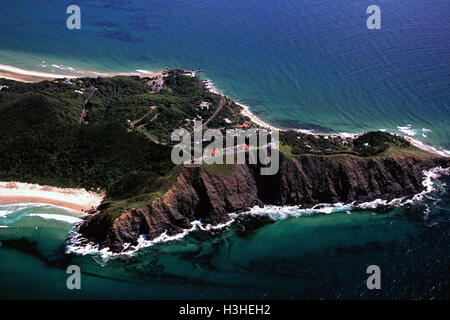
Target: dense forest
{"points": [[114, 133]]}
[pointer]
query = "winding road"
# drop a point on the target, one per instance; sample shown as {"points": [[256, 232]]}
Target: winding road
{"points": [[221, 104], [84, 111]]}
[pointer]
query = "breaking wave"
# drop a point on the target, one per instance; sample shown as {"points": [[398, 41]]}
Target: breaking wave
{"points": [[77, 244]]}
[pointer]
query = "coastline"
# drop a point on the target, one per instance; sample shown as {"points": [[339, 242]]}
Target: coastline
{"points": [[29, 76], [76, 199], [22, 75], [246, 112], [418, 144], [77, 244], [422, 146]]}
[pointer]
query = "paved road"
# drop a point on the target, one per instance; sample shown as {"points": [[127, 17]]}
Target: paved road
{"points": [[153, 139], [133, 123]]}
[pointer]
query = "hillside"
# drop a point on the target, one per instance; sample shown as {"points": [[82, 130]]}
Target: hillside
{"points": [[114, 134]]}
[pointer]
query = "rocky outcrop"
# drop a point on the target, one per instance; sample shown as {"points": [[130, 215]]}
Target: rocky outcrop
{"points": [[304, 180]]}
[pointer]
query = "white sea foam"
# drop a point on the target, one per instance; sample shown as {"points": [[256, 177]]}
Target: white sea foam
{"points": [[381, 203], [425, 130], [407, 129], [278, 213], [29, 72], [349, 135], [76, 243], [58, 217], [4, 227], [423, 146], [210, 86], [144, 71], [6, 209], [14, 207], [4, 213], [428, 181], [305, 131]]}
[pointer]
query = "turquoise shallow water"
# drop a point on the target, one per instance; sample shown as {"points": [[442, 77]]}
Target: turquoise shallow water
{"points": [[302, 64], [305, 257]]}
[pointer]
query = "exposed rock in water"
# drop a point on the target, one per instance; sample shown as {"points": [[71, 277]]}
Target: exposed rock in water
{"points": [[305, 180]]}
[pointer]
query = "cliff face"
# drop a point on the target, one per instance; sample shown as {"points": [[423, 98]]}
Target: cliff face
{"points": [[305, 180]]}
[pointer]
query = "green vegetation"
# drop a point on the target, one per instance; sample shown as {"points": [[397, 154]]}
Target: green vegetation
{"points": [[114, 147], [286, 149], [147, 191], [301, 143], [220, 170], [370, 144], [123, 144]]}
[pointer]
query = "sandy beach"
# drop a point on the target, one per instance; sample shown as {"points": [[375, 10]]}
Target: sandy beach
{"points": [[18, 74], [423, 146], [77, 199], [246, 112], [418, 144]]}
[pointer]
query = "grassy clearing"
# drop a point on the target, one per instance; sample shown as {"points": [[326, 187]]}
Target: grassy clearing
{"points": [[219, 170]]}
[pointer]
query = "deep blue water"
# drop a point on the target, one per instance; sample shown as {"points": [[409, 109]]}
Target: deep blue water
{"points": [[302, 64], [296, 63]]}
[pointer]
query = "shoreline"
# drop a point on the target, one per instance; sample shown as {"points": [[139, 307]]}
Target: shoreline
{"points": [[246, 112], [31, 76], [76, 199], [6, 200], [77, 244], [422, 146], [418, 144], [23, 75]]}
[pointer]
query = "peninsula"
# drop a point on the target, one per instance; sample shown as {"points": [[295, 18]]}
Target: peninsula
{"points": [[112, 135]]}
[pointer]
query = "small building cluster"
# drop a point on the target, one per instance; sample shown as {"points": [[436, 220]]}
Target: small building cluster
{"points": [[205, 105]]}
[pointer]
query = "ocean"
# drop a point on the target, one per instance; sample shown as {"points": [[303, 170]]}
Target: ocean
{"points": [[309, 64], [275, 253], [296, 64]]}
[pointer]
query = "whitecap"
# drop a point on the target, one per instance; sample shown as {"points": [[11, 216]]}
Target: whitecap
{"points": [[76, 243], [210, 86], [144, 71], [4, 213], [407, 130], [305, 131]]}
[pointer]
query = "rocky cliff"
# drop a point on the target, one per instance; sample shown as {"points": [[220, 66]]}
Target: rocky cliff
{"points": [[201, 193]]}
